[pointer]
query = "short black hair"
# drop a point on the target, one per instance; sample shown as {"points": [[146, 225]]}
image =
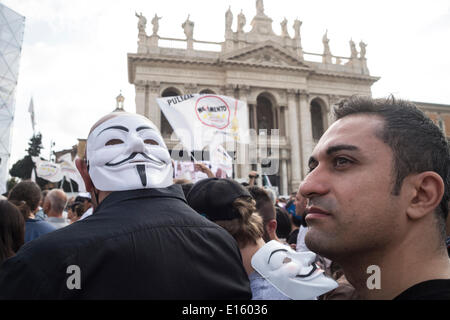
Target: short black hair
{"points": [[284, 225], [417, 144]]}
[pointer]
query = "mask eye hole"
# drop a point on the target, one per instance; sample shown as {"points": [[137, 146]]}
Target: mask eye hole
{"points": [[151, 141], [287, 260], [113, 142]]}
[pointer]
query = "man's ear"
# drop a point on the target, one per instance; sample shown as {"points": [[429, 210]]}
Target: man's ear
{"points": [[82, 168], [271, 227], [428, 189]]}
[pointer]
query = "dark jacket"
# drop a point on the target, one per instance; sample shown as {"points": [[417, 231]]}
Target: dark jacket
{"points": [[139, 244]]}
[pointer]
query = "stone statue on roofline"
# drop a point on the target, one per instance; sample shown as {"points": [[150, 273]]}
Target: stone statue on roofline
{"points": [[155, 23], [362, 46], [142, 23], [188, 27], [241, 22], [228, 19]]}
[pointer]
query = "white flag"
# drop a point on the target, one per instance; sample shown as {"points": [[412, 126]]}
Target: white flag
{"points": [[70, 171], [47, 170], [31, 111], [200, 120]]}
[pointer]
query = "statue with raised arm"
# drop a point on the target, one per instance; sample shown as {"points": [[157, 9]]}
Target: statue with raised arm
{"points": [[241, 22], [259, 7], [155, 23], [188, 27], [326, 46], [284, 32], [142, 23], [228, 19], [363, 46], [354, 53], [297, 25]]}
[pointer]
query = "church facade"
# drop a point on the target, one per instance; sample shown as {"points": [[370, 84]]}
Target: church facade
{"points": [[289, 92]]}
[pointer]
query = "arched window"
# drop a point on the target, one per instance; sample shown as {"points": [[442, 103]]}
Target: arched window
{"points": [[265, 117], [207, 91], [166, 128], [316, 119]]}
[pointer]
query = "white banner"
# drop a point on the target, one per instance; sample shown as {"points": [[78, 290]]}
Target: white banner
{"points": [[200, 120], [47, 170]]}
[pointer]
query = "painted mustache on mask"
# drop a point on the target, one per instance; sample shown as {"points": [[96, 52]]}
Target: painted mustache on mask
{"points": [[134, 154]]}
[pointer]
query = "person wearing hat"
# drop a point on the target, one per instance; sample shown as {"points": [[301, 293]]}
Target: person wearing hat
{"points": [[227, 203], [85, 199], [141, 242]]}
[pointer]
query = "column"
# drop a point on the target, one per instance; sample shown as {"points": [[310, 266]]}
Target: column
{"points": [[306, 129], [139, 87], [294, 139], [154, 111], [283, 172], [243, 156]]}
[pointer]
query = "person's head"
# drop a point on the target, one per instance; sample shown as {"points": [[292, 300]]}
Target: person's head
{"points": [[125, 151], [74, 211], [85, 199], [29, 192], [12, 229], [230, 205], [284, 226], [379, 175], [55, 202], [266, 210]]}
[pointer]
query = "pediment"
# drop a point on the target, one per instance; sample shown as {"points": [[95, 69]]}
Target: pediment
{"points": [[265, 54]]}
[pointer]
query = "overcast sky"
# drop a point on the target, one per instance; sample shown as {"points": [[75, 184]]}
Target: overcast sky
{"points": [[74, 54]]}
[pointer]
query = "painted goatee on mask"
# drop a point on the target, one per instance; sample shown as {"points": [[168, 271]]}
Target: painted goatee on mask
{"points": [[293, 273], [127, 152]]}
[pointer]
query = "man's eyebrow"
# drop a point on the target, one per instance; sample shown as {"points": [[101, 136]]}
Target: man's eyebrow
{"points": [[114, 127], [340, 147], [144, 127]]}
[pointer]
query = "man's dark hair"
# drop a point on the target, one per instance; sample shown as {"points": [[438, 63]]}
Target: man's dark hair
{"points": [[264, 204], [27, 191], [417, 144], [284, 226], [186, 188]]}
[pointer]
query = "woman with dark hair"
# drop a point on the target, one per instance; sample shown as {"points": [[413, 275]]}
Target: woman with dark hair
{"points": [[12, 230], [29, 193]]}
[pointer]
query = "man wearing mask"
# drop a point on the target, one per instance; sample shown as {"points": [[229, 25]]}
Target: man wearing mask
{"points": [[142, 241]]}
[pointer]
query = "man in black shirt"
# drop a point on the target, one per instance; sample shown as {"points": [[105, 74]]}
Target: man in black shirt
{"points": [[142, 242], [378, 192]]}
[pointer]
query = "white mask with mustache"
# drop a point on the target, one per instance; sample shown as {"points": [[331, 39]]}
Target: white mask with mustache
{"points": [[293, 273], [127, 152]]}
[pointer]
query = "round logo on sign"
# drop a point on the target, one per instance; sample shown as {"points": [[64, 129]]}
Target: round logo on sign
{"points": [[213, 111]]}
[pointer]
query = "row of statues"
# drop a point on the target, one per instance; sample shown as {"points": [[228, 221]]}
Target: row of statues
{"points": [[241, 22], [354, 52], [188, 25]]}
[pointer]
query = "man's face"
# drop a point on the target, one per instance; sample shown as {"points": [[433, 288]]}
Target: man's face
{"points": [[127, 152], [351, 208]]}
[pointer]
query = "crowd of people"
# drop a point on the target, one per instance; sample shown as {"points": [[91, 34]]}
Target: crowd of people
{"points": [[377, 194]]}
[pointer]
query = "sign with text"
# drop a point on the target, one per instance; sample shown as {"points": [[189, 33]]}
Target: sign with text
{"points": [[200, 120]]}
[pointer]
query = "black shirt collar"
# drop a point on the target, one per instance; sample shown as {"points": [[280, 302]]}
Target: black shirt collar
{"points": [[173, 191]]}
